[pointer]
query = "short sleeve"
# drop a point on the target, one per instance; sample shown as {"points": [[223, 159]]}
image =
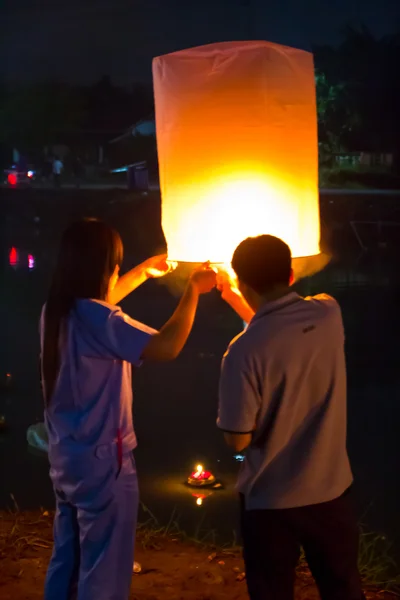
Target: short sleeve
{"points": [[332, 310], [326, 301], [111, 332], [126, 337], [239, 398]]}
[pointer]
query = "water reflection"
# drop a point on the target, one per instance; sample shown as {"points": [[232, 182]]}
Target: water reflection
{"points": [[31, 261], [13, 257], [18, 258], [200, 497]]}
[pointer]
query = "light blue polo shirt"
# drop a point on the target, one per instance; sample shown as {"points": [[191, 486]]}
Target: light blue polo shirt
{"points": [[92, 398], [284, 380]]}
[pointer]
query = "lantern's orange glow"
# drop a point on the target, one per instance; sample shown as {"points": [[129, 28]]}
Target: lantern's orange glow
{"points": [[237, 148]]}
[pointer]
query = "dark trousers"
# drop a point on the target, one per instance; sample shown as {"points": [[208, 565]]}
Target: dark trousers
{"points": [[327, 532]]}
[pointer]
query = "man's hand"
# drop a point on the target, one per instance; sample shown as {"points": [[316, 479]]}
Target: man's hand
{"points": [[158, 266], [227, 285]]}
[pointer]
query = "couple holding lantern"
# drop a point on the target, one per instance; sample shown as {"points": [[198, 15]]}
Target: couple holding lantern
{"points": [[282, 399], [238, 153]]}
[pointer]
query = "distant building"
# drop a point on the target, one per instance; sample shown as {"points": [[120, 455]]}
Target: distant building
{"points": [[365, 159], [135, 145], [145, 127]]}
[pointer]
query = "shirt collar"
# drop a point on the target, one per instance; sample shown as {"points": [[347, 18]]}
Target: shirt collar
{"points": [[275, 305]]}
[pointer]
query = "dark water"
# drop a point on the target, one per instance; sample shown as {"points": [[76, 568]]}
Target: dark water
{"points": [[175, 404]]}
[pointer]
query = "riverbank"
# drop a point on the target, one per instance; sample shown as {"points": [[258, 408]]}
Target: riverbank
{"points": [[173, 568], [154, 188]]}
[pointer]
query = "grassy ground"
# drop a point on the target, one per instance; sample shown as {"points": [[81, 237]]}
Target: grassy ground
{"points": [[174, 567]]}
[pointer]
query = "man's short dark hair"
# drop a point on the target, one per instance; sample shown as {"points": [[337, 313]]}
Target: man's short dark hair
{"points": [[263, 263]]}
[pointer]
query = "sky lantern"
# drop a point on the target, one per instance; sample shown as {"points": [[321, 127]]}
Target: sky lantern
{"points": [[237, 148]]}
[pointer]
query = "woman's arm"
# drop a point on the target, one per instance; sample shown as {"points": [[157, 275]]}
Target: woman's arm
{"points": [[157, 266], [127, 283], [169, 341]]}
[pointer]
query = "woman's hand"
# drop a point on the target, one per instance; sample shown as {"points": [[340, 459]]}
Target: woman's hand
{"points": [[204, 278], [169, 341], [158, 266]]}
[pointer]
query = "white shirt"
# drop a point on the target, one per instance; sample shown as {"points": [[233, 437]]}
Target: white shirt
{"points": [[92, 397], [284, 380]]}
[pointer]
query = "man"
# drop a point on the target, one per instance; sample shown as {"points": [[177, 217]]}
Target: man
{"points": [[283, 397], [57, 170]]}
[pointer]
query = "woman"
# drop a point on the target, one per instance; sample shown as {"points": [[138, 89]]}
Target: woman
{"points": [[88, 346]]}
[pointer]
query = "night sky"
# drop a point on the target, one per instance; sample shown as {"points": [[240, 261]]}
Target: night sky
{"points": [[82, 40]]}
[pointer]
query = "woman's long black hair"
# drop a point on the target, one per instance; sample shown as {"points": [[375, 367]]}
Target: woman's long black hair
{"points": [[89, 252]]}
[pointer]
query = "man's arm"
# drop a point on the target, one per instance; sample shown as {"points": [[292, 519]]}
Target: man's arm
{"points": [[238, 441], [236, 301], [239, 398], [233, 297]]}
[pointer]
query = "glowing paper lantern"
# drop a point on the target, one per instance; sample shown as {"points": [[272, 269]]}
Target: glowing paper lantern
{"points": [[237, 148]]}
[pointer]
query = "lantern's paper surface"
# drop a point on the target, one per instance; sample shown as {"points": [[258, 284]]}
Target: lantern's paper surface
{"points": [[237, 148]]}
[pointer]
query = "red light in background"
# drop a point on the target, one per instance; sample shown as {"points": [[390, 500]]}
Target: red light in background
{"points": [[12, 179], [13, 257]]}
